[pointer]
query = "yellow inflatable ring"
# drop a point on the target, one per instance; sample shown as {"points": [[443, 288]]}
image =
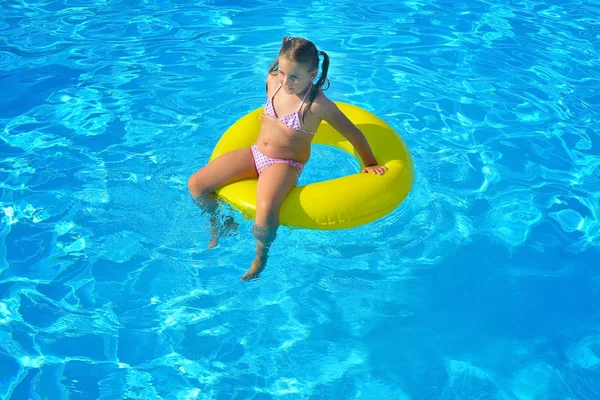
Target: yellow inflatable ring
{"points": [[340, 203]]}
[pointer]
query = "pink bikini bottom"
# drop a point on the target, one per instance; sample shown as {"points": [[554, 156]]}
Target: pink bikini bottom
{"points": [[262, 161]]}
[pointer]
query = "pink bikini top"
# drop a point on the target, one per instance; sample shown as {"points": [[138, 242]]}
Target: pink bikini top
{"points": [[291, 120]]}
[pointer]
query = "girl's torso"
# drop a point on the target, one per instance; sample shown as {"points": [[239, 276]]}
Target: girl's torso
{"points": [[284, 132]]}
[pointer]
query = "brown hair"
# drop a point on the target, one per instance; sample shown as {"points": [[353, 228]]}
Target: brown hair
{"points": [[304, 52]]}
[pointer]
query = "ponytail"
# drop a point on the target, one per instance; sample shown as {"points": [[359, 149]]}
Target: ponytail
{"points": [[320, 83], [324, 70]]}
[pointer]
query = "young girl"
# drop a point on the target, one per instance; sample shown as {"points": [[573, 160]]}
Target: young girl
{"points": [[294, 109]]}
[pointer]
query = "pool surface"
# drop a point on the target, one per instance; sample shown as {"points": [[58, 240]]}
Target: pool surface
{"points": [[483, 284]]}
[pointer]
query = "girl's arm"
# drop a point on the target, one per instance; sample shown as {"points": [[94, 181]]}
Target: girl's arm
{"points": [[338, 120]]}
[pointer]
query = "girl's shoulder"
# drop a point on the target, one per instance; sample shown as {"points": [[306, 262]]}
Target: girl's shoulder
{"points": [[321, 105]]}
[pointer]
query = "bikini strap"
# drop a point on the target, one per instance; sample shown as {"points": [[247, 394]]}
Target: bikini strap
{"points": [[304, 98], [276, 90]]}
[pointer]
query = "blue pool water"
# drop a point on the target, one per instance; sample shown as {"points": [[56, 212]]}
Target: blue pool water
{"points": [[483, 284]]}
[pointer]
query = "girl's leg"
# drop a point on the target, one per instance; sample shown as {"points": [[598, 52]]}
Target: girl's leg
{"points": [[274, 184], [228, 168]]}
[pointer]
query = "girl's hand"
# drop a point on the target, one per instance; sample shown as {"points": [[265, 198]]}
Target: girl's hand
{"points": [[375, 169]]}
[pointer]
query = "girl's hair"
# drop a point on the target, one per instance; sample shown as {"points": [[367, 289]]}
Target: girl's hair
{"points": [[304, 52]]}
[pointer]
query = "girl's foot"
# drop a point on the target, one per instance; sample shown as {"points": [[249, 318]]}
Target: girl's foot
{"points": [[229, 226], [258, 265], [214, 242]]}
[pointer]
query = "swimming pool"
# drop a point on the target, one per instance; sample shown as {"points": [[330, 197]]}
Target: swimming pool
{"points": [[483, 284]]}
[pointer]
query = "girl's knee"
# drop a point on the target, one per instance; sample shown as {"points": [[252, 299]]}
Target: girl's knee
{"points": [[267, 210], [268, 205], [196, 188]]}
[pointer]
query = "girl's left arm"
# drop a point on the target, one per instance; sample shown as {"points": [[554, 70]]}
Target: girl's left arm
{"points": [[338, 120]]}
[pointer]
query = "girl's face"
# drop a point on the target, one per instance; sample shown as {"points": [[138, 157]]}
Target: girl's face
{"points": [[294, 77]]}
